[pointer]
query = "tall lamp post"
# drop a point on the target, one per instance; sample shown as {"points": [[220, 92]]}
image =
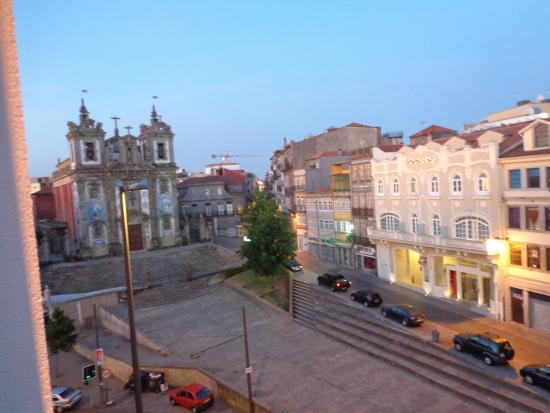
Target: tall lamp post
{"points": [[130, 289]]}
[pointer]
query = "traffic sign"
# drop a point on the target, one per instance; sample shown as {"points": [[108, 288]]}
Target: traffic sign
{"points": [[88, 372], [248, 370], [106, 373], [99, 356]]}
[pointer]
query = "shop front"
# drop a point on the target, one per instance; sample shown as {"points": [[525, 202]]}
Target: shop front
{"points": [[408, 267], [468, 280], [365, 258]]}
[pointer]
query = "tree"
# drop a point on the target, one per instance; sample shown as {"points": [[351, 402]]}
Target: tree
{"points": [[61, 334], [271, 242]]}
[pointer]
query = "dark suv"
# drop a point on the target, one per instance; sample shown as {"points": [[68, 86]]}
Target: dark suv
{"points": [[491, 348], [367, 297], [336, 282]]}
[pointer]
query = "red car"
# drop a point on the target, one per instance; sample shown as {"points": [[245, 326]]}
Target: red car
{"points": [[195, 397]]}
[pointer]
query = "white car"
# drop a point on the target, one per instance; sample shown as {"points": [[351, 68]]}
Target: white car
{"points": [[64, 398]]}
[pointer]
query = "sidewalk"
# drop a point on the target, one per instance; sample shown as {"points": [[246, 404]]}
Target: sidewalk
{"points": [[531, 346]]}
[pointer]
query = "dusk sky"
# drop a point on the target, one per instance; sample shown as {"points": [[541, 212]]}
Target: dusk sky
{"points": [[237, 77]]}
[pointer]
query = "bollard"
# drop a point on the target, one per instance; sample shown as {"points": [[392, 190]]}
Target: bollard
{"points": [[435, 336]]}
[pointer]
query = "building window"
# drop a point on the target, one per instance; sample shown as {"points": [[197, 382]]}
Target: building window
{"points": [[330, 206], [547, 219], [98, 229], [514, 219], [161, 150], [414, 224], [132, 198], [541, 136], [90, 151], [436, 225], [514, 178], [457, 185], [483, 183], [395, 187], [547, 259], [533, 256], [380, 187], [163, 185], [389, 222], [208, 210], [434, 186], [229, 207], [472, 228], [515, 254], [412, 185], [93, 190], [532, 218], [533, 178], [166, 222], [219, 191], [220, 209], [206, 192]]}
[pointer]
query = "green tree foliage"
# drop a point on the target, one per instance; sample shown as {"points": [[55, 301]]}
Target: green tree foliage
{"points": [[60, 333], [272, 241]]}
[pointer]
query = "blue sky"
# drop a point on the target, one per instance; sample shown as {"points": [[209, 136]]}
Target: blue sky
{"points": [[237, 76]]}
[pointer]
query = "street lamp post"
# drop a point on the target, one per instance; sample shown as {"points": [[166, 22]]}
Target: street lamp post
{"points": [[130, 298]]}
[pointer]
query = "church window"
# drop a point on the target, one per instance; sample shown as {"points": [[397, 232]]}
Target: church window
{"points": [[132, 198], [93, 190], [163, 185], [166, 224], [90, 151], [161, 151], [129, 156], [98, 229]]}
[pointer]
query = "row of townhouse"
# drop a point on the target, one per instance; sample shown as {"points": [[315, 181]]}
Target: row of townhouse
{"points": [[461, 216]]}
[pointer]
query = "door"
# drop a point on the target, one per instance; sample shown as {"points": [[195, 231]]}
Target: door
{"points": [[452, 282], [517, 305], [469, 287], [540, 311], [134, 233]]}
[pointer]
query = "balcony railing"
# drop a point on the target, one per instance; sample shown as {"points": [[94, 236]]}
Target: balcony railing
{"points": [[363, 212], [429, 240]]}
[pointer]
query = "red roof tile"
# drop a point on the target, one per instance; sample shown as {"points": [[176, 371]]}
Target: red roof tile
{"points": [[358, 125], [327, 154], [431, 129], [390, 148]]}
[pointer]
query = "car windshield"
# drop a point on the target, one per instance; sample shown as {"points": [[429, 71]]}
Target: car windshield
{"points": [[203, 393], [66, 392], [339, 277], [498, 347]]}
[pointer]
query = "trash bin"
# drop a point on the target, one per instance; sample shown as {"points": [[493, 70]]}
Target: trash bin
{"points": [[435, 336]]}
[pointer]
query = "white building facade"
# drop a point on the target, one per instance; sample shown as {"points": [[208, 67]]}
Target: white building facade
{"points": [[438, 220]]}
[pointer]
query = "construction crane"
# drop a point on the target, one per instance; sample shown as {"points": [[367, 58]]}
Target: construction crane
{"points": [[225, 157]]}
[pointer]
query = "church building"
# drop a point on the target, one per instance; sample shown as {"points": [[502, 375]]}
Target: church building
{"points": [[86, 186]]}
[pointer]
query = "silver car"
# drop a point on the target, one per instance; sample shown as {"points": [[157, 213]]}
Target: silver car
{"points": [[64, 398]]}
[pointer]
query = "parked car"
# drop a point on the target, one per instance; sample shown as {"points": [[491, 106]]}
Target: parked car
{"points": [[150, 381], [404, 313], [195, 397], [336, 282], [65, 398], [536, 374], [491, 348], [294, 266], [367, 297]]}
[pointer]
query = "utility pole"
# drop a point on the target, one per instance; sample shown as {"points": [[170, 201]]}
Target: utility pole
{"points": [[248, 369], [99, 372], [130, 300]]}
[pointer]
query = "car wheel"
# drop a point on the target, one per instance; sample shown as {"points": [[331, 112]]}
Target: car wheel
{"points": [[487, 360], [59, 409], [332, 289], [405, 322], [366, 303], [172, 402], [458, 347], [195, 410], [529, 380], [384, 313]]}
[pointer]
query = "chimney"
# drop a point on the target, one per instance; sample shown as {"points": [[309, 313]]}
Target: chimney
{"points": [[284, 140], [523, 102]]}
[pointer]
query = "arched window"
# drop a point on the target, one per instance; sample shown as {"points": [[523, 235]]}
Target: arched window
{"points": [[541, 136], [389, 222], [98, 229], [436, 225], [483, 183], [471, 228], [414, 224], [412, 185], [434, 185], [380, 187], [395, 187], [457, 185], [163, 185]]}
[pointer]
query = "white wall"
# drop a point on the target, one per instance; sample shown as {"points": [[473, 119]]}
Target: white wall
{"points": [[25, 383]]}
